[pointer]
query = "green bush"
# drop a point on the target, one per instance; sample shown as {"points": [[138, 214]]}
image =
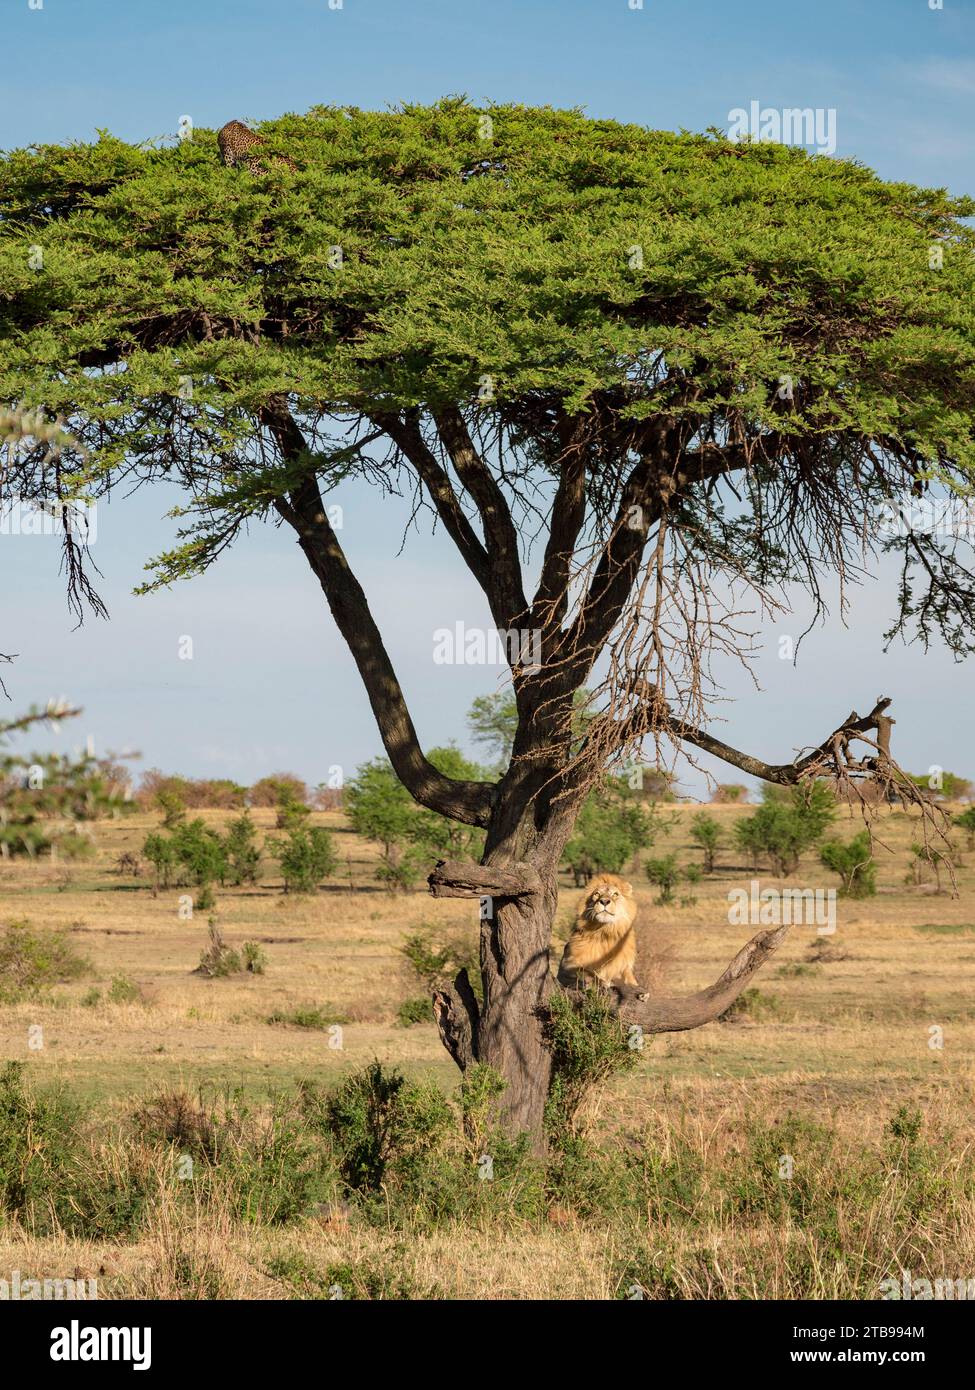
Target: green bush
{"points": [[665, 874], [31, 960], [241, 850], [192, 853], [292, 811], [706, 831], [966, 822], [589, 1045], [307, 1016], [414, 1011], [306, 857], [253, 958], [853, 861], [382, 1123], [160, 851], [786, 824], [123, 991], [172, 806]]}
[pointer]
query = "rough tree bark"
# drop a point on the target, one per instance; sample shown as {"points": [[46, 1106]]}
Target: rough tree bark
{"points": [[529, 815]]}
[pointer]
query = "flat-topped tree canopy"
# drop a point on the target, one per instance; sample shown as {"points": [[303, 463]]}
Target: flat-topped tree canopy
{"points": [[687, 363], [541, 272]]}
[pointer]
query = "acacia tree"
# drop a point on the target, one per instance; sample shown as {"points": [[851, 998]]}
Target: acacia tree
{"points": [[690, 367]]}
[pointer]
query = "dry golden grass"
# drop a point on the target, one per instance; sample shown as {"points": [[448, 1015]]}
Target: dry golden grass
{"points": [[842, 1039]]}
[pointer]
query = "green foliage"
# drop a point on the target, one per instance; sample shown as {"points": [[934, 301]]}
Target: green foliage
{"points": [[173, 807], [788, 822], [253, 958], [612, 826], [493, 722], [43, 797], [160, 851], [706, 831], [589, 1045], [218, 960], [306, 856], [414, 1011], [54, 1181], [191, 853], [241, 850], [32, 960], [410, 839], [379, 807], [436, 959], [123, 991], [437, 837], [201, 852], [757, 261], [665, 873], [317, 1016], [292, 813], [380, 1121], [853, 861], [966, 822]]}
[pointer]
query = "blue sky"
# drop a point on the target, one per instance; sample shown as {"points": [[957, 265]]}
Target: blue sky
{"points": [[270, 685]]}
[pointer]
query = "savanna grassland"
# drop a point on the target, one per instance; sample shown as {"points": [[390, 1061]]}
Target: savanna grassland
{"points": [[672, 1183]]}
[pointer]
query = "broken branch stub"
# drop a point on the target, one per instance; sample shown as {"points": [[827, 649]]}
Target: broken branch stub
{"points": [[455, 878]]}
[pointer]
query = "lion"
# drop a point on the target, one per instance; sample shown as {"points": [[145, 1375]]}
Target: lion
{"points": [[602, 945]]}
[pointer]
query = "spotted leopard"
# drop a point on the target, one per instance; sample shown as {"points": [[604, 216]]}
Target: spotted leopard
{"points": [[235, 139]]}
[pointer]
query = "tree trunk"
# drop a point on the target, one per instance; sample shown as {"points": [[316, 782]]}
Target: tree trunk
{"points": [[527, 835], [517, 981]]}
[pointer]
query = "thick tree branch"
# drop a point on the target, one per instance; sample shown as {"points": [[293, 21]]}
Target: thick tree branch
{"points": [[456, 878], [407, 437], [665, 471], [675, 1013], [826, 756], [469, 802], [568, 515], [458, 1020], [510, 606]]}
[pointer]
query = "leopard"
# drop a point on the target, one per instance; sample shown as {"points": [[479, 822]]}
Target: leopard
{"points": [[235, 139]]}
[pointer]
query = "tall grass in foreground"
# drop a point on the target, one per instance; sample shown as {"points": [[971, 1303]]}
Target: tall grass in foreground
{"points": [[375, 1190]]}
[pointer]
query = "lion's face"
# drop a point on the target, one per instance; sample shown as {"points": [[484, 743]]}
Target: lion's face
{"points": [[609, 902]]}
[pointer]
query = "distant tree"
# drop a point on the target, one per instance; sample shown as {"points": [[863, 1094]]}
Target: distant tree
{"points": [[729, 793], [241, 849], [44, 797], [306, 855], [665, 873], [219, 793], [381, 809], [493, 722], [173, 807], [268, 791], [787, 823], [411, 839], [191, 853], [708, 833], [613, 825], [853, 861], [966, 822], [292, 811], [943, 785]]}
